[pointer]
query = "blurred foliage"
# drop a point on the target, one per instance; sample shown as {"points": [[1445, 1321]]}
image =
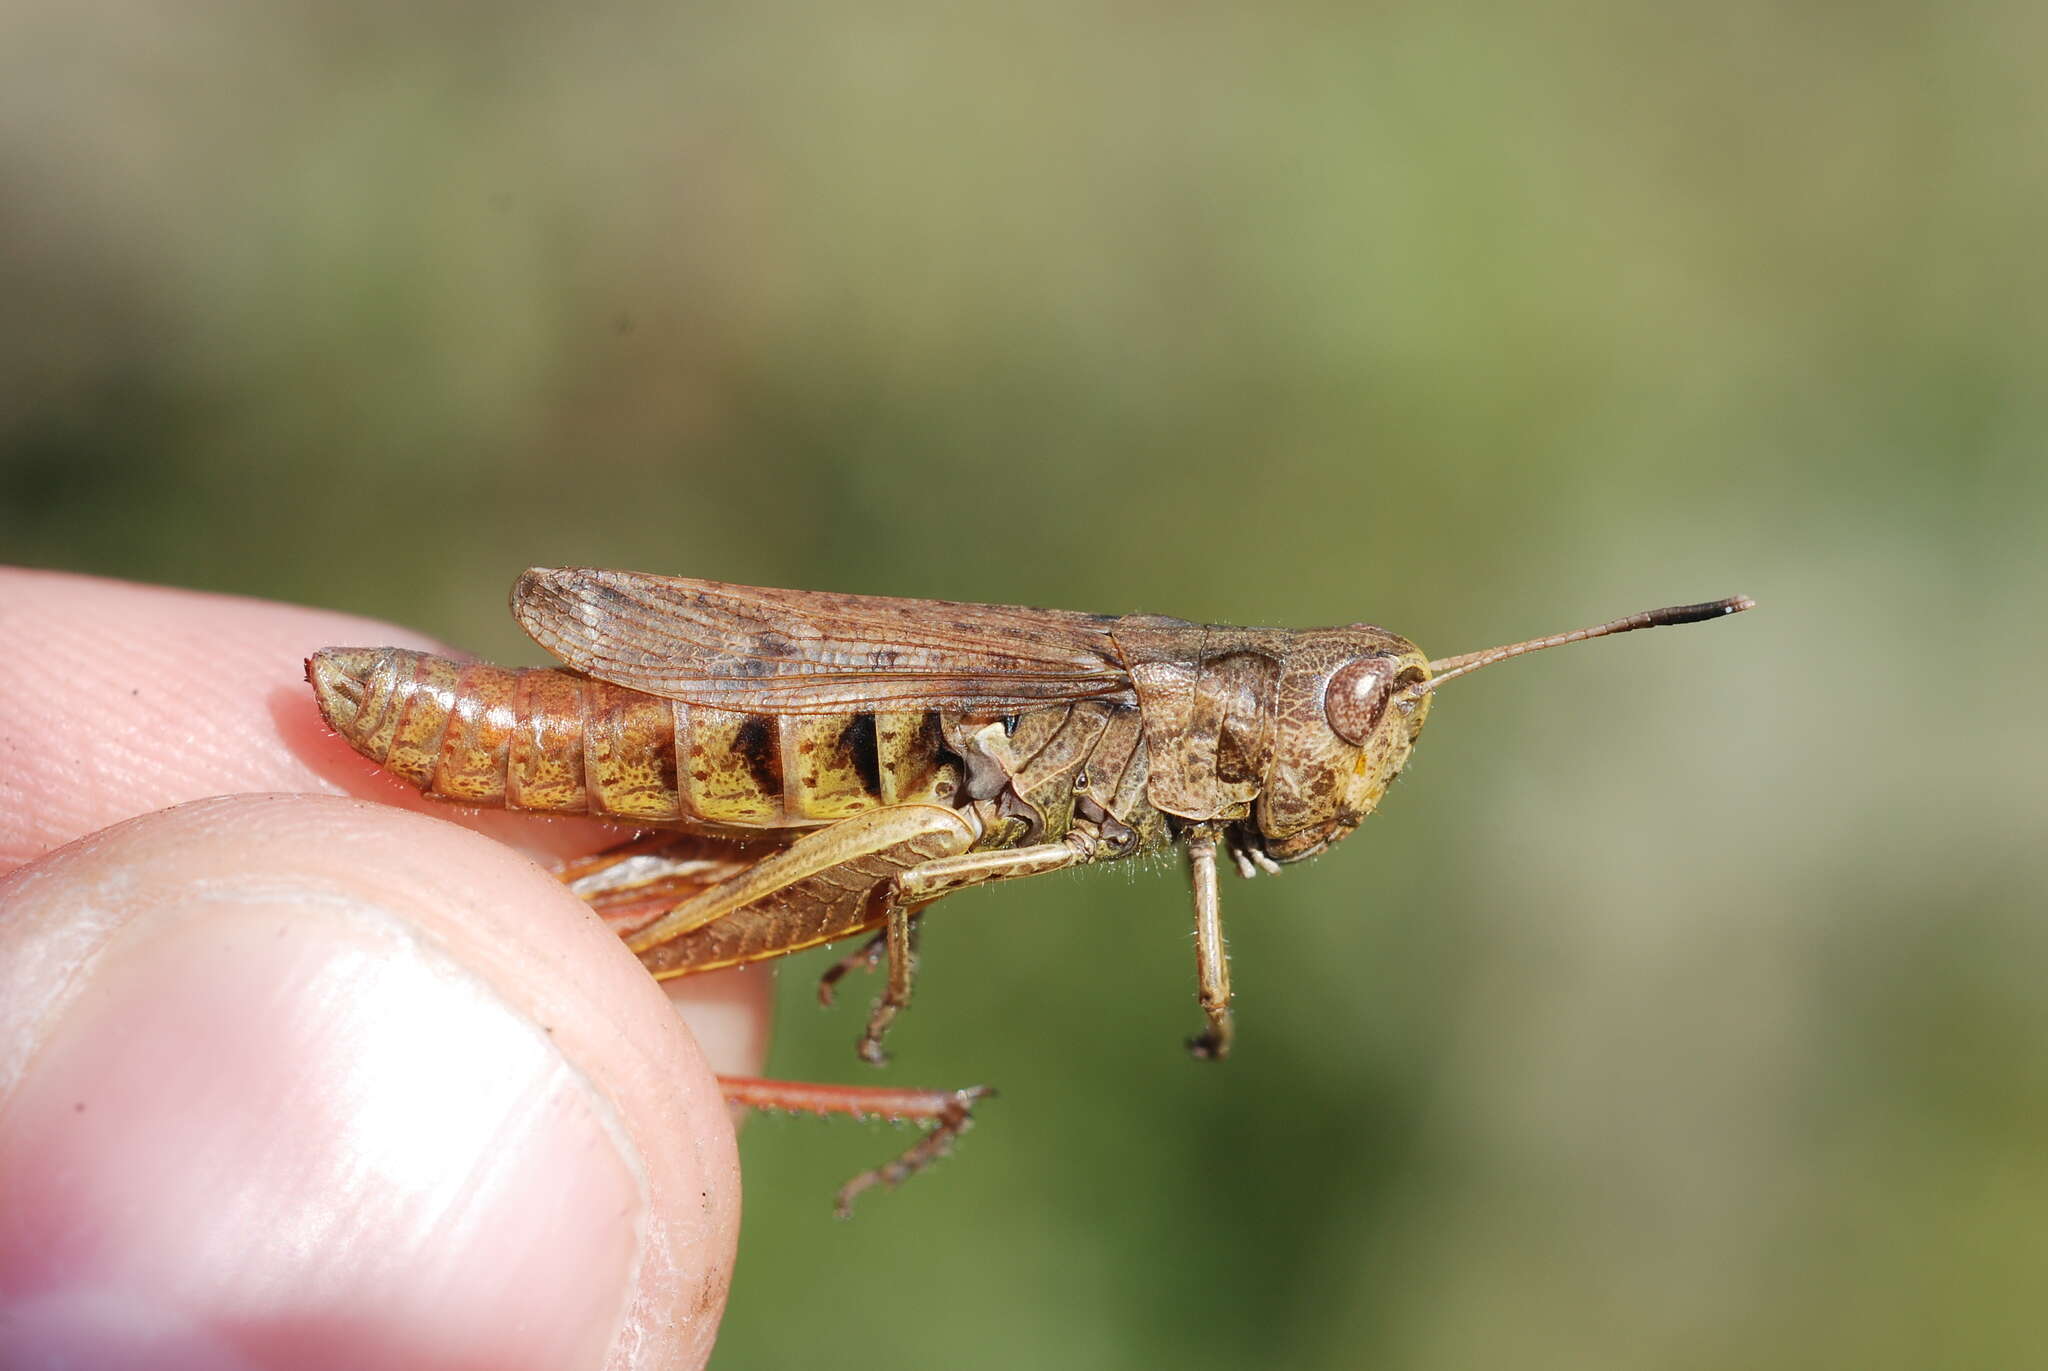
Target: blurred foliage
{"points": [[1683, 1008]]}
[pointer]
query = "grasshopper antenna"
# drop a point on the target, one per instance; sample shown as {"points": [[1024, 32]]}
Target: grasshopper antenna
{"points": [[1450, 668]]}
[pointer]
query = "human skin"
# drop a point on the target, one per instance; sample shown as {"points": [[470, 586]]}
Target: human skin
{"points": [[316, 1073]]}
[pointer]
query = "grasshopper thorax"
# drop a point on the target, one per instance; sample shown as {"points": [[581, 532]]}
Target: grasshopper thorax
{"points": [[1286, 737]]}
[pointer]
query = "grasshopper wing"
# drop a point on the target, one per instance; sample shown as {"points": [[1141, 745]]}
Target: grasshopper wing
{"points": [[814, 652]]}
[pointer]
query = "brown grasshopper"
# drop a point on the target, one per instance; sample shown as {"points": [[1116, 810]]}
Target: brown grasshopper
{"points": [[817, 765]]}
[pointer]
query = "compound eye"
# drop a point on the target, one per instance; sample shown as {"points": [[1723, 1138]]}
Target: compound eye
{"points": [[1356, 698]]}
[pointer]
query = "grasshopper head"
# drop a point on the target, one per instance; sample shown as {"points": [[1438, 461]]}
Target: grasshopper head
{"points": [[1350, 705], [1347, 717]]}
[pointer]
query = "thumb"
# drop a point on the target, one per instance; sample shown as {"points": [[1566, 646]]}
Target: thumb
{"points": [[303, 1081]]}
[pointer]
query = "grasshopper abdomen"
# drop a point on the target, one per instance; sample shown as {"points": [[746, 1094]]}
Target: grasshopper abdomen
{"points": [[549, 741]]}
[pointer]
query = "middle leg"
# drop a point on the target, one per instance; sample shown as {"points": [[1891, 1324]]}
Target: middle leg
{"points": [[1212, 957]]}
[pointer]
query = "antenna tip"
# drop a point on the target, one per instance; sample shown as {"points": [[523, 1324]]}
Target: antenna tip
{"points": [[1692, 614]]}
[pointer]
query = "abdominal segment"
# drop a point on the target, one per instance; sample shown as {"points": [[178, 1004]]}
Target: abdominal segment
{"points": [[550, 741]]}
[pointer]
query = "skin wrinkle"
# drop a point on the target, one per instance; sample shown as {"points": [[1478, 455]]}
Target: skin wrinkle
{"points": [[62, 961]]}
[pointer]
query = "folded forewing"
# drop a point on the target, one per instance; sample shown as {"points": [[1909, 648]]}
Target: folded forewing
{"points": [[814, 652]]}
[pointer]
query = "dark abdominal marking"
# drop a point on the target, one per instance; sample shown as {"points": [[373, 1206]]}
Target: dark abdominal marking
{"points": [[856, 747], [755, 744]]}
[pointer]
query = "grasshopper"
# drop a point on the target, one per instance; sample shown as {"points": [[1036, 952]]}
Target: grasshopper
{"points": [[811, 766]]}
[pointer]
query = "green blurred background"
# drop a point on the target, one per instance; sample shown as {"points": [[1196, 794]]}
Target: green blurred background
{"points": [[1684, 1008]]}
